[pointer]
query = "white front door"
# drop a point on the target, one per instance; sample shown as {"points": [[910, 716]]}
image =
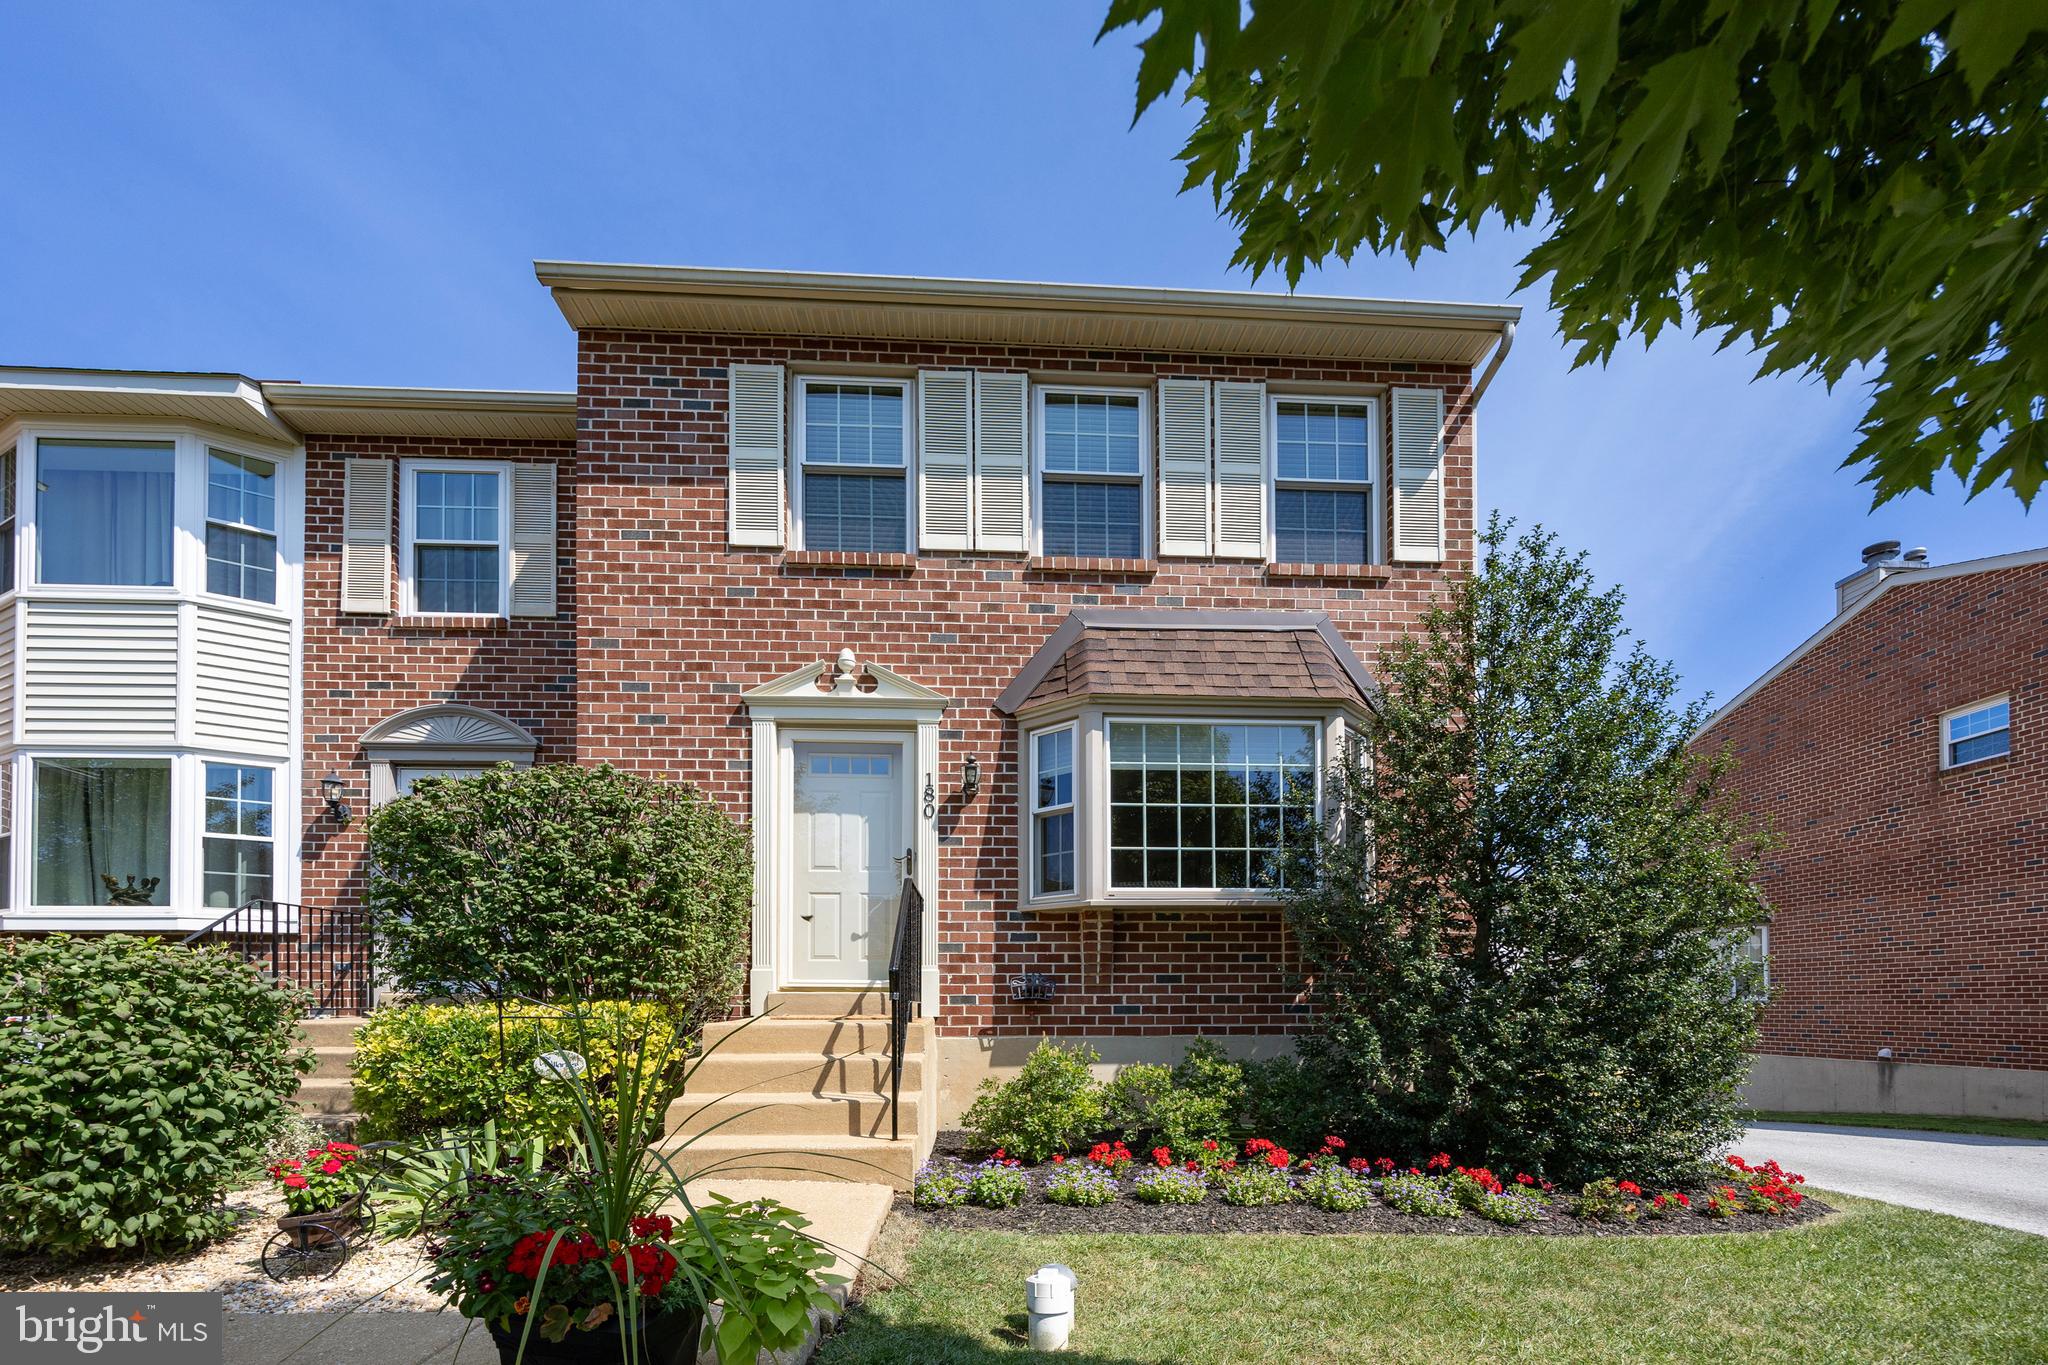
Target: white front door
{"points": [[847, 850]]}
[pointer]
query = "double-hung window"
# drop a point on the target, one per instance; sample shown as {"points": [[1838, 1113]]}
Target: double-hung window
{"points": [[1324, 467], [238, 852], [1976, 733], [455, 523], [1209, 806], [7, 520], [1052, 812], [1092, 458], [853, 457], [241, 526], [104, 512]]}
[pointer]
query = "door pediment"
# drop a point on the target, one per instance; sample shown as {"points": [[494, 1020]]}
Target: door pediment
{"points": [[825, 690]]}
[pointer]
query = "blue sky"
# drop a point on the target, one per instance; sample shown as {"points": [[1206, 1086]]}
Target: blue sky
{"points": [[354, 194]]}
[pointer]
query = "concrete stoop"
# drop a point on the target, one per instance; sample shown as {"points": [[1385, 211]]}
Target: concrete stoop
{"points": [[327, 1093], [802, 1093]]}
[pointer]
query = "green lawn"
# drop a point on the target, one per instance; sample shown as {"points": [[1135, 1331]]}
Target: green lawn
{"points": [[1926, 1123], [1876, 1282]]}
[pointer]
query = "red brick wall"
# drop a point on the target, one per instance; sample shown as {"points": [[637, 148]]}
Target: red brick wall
{"points": [[1910, 905], [361, 669], [672, 626]]}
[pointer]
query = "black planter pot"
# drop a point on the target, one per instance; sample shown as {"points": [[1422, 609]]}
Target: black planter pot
{"points": [[666, 1338]]}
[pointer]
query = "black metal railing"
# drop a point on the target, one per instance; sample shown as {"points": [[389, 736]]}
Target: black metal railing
{"points": [[906, 978], [324, 950]]}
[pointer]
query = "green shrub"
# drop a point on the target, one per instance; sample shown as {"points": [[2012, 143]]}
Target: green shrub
{"points": [[1131, 1098], [1283, 1101], [1182, 1106], [561, 880], [138, 1079], [419, 1068], [1533, 963], [1052, 1105]]}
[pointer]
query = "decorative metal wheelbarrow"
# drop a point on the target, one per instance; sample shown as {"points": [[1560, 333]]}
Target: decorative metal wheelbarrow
{"points": [[316, 1244]]}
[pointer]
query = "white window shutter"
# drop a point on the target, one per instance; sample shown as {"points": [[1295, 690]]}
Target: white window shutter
{"points": [[533, 540], [1418, 475], [366, 536], [1002, 462], [945, 459], [754, 428], [1184, 467], [1240, 470]]}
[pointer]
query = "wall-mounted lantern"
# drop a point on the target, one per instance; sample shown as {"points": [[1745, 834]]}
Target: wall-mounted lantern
{"points": [[334, 791], [970, 777]]}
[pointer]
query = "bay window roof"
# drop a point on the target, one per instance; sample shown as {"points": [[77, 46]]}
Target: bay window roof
{"points": [[1197, 655]]}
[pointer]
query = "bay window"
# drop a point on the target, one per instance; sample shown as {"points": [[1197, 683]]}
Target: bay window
{"points": [[102, 832], [1053, 811], [1157, 808], [104, 512], [241, 526], [853, 463], [1324, 468], [237, 849], [1092, 461], [7, 520]]}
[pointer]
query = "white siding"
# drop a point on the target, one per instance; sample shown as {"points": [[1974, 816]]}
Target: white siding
{"points": [[100, 673], [242, 695], [7, 666]]}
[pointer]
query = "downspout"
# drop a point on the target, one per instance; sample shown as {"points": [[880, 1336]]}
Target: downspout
{"points": [[1500, 353]]}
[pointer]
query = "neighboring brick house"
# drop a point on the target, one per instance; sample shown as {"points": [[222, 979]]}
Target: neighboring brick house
{"points": [[1898, 755], [1055, 596]]}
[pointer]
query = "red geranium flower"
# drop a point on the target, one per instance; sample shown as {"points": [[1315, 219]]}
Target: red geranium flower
{"points": [[653, 1225], [1629, 1187], [1680, 1197], [1525, 1179], [1384, 1164], [295, 1182], [1334, 1143], [1163, 1156], [1441, 1161], [332, 1166]]}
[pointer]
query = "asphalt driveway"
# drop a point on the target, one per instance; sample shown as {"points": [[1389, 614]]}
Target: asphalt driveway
{"points": [[1989, 1179]]}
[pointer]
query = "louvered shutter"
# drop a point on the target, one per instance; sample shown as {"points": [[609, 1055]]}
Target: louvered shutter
{"points": [[1002, 462], [945, 459], [1418, 475], [1240, 470], [366, 536], [754, 450], [533, 540], [1184, 467]]}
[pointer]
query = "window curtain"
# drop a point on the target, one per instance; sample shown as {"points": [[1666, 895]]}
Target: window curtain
{"points": [[104, 513], [101, 818]]}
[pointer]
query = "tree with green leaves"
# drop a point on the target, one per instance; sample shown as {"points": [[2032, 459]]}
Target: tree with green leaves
{"points": [[1837, 184], [560, 881], [1521, 945]]}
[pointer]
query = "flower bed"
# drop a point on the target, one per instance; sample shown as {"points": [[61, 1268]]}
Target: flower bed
{"points": [[1261, 1187]]}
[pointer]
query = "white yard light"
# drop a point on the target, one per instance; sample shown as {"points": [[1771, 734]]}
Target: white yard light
{"points": [[1049, 1300]]}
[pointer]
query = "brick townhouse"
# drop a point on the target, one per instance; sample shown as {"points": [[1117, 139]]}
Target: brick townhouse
{"points": [[1050, 599], [1898, 756]]}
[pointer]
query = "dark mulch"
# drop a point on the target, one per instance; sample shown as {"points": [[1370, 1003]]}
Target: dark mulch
{"points": [[1212, 1216]]}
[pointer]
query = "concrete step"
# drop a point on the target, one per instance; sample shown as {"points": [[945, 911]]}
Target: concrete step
{"points": [[864, 1073], [333, 1063], [339, 1031], [821, 1004], [798, 1115], [826, 1037], [744, 1156], [317, 1096]]}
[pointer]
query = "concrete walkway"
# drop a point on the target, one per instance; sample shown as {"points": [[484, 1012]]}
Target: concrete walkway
{"points": [[843, 1216], [1989, 1179]]}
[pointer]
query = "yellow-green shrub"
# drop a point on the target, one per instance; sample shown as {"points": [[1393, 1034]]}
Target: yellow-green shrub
{"points": [[419, 1068]]}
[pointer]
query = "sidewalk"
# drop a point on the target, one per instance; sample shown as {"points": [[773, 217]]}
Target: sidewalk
{"points": [[844, 1216], [1996, 1180]]}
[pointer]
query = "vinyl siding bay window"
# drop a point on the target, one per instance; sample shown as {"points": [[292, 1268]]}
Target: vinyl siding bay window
{"points": [[1191, 810], [102, 832], [241, 526], [105, 511]]}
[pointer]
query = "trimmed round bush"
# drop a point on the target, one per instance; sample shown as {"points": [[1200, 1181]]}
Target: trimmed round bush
{"points": [[138, 1079], [421, 1068], [1053, 1104]]}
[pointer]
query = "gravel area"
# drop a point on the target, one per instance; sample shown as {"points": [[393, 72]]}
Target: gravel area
{"points": [[380, 1277]]}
